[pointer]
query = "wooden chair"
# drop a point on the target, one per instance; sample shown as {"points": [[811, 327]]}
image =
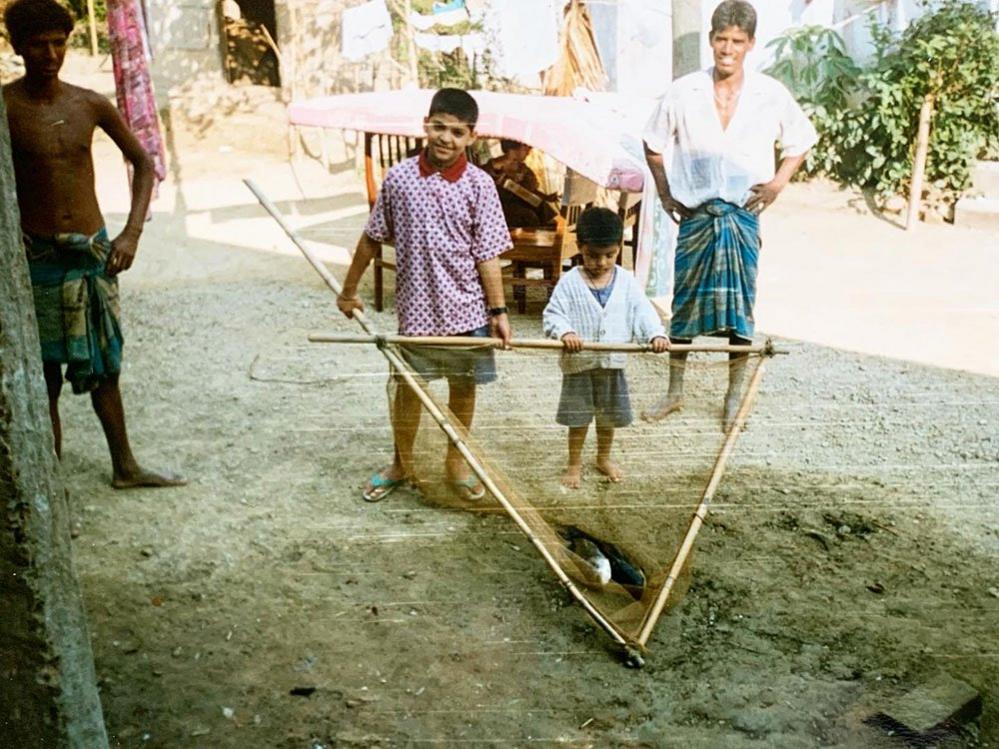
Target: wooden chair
{"points": [[547, 249], [380, 153], [629, 209]]}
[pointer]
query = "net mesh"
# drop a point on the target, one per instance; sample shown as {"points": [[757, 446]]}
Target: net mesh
{"points": [[637, 524]]}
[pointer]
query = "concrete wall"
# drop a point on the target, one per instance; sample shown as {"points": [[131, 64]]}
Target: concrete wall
{"points": [[48, 688], [184, 42], [309, 35], [186, 45]]}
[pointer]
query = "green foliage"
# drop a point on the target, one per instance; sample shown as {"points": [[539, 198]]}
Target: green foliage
{"points": [[813, 63], [868, 123], [79, 9]]}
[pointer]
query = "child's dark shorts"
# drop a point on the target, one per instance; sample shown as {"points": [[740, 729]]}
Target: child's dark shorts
{"points": [[595, 393], [432, 363]]}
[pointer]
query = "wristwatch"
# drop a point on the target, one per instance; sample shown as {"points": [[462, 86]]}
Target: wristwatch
{"points": [[497, 311]]}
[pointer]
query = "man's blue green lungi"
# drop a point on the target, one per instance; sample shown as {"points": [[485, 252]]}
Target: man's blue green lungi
{"points": [[76, 304], [715, 281]]}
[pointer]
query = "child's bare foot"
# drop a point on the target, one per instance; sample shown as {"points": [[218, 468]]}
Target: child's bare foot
{"points": [[140, 477], [610, 469], [573, 477], [669, 404]]}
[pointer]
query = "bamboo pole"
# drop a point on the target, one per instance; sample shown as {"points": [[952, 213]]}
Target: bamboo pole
{"points": [[919, 162], [92, 18], [409, 378], [653, 614], [533, 343]]}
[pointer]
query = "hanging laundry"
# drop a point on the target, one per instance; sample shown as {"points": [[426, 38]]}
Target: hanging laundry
{"points": [[446, 17], [476, 9], [367, 28], [132, 83], [470, 44], [447, 7], [526, 35]]}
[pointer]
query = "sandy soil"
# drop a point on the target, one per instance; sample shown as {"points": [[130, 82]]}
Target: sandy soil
{"points": [[851, 554]]}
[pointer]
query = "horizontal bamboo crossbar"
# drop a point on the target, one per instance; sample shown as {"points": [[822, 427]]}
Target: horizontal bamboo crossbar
{"points": [[534, 343]]}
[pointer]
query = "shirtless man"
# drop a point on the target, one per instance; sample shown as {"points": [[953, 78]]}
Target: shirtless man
{"points": [[73, 265]]}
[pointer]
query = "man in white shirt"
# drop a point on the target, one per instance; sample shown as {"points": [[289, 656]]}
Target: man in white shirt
{"points": [[717, 129]]}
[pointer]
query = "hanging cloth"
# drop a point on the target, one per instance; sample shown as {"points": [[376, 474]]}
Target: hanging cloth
{"points": [[366, 29], [132, 83]]}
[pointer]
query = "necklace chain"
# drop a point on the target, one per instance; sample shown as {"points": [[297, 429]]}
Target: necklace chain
{"points": [[730, 100]]}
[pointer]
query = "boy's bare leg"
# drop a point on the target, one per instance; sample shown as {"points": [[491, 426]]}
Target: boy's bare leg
{"points": [[53, 384], [126, 471], [405, 424], [606, 466], [674, 395], [733, 398], [573, 475], [461, 401]]}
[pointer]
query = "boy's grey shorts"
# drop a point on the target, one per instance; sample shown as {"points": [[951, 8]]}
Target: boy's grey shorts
{"points": [[432, 363], [595, 393]]}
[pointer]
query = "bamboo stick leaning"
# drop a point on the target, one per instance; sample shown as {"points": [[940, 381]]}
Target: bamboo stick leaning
{"points": [[653, 614]]}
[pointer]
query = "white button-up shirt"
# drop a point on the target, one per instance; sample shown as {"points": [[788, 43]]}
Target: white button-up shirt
{"points": [[706, 162], [628, 316]]}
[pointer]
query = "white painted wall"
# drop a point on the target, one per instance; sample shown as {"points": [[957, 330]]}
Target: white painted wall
{"points": [[184, 41]]}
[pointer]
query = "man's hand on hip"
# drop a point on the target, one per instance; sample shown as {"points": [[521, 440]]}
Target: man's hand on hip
{"points": [[123, 248], [676, 210], [763, 196]]}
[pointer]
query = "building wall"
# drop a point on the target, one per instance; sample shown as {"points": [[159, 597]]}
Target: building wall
{"points": [[309, 35], [184, 42], [186, 45]]}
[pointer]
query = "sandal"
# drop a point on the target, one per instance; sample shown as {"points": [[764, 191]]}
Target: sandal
{"points": [[466, 488], [380, 487]]}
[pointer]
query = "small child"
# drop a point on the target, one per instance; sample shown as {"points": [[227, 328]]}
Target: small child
{"points": [[598, 301]]}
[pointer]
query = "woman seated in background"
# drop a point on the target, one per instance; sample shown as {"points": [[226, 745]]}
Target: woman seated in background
{"points": [[524, 205]]}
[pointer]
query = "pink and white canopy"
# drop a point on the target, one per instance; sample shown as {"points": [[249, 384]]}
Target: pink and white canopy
{"points": [[581, 135]]}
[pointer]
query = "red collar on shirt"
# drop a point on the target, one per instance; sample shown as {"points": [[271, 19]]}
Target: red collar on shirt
{"points": [[451, 174]]}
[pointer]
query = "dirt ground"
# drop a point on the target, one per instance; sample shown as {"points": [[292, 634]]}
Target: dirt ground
{"points": [[851, 554]]}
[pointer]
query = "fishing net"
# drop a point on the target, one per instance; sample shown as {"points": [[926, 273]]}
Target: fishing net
{"points": [[615, 542]]}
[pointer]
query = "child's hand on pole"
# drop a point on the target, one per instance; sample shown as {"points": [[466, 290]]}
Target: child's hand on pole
{"points": [[500, 328], [660, 344], [349, 304], [572, 343]]}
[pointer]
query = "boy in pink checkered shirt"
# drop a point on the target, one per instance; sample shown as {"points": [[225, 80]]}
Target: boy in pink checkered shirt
{"points": [[445, 219]]}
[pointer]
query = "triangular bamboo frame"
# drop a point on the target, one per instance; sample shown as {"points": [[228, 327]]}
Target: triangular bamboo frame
{"points": [[632, 647]]}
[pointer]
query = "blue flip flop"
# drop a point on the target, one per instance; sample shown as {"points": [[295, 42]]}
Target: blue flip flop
{"points": [[466, 488], [381, 487]]}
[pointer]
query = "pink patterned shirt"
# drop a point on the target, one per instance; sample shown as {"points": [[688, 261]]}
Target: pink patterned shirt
{"points": [[442, 224]]}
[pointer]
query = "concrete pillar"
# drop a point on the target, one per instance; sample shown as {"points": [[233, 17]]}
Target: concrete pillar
{"points": [[48, 692], [687, 31]]}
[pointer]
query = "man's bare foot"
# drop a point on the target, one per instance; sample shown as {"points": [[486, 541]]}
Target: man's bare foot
{"points": [[610, 469], [669, 404], [572, 477], [140, 478]]}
